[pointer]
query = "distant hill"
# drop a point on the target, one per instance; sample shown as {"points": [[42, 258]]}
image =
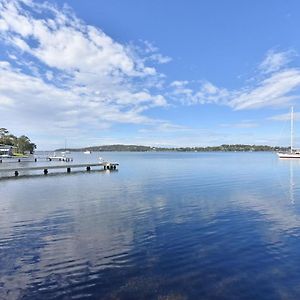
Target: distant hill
{"points": [[138, 148]]}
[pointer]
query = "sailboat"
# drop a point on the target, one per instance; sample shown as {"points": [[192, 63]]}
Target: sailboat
{"points": [[66, 151], [292, 153]]}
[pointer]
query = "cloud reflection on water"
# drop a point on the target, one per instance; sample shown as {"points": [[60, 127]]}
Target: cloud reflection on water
{"points": [[217, 231]]}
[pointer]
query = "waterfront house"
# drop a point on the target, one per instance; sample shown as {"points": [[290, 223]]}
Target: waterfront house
{"points": [[6, 150]]}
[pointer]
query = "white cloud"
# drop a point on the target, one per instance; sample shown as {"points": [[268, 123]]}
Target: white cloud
{"points": [[64, 42], [275, 61], [243, 124], [165, 127], [70, 74], [285, 117], [197, 93], [276, 90], [179, 83], [160, 58], [272, 89]]}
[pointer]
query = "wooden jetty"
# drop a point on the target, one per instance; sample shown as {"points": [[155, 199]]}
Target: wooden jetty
{"points": [[68, 167], [34, 159], [18, 160]]}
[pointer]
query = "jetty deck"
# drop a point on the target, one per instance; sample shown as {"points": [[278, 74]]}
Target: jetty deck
{"points": [[17, 170]]}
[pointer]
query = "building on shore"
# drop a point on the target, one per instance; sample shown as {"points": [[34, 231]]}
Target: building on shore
{"points": [[6, 150]]}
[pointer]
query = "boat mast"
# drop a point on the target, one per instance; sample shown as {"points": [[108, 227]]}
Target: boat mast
{"points": [[292, 127]]}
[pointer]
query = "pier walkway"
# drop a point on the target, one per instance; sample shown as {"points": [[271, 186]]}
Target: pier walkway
{"points": [[17, 170]]}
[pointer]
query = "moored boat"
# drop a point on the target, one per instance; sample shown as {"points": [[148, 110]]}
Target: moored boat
{"points": [[289, 155], [61, 157], [293, 153]]}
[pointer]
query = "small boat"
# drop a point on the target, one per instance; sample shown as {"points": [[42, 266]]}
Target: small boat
{"points": [[293, 153], [87, 152], [61, 157], [65, 152]]}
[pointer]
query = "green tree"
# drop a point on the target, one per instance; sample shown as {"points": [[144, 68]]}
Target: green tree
{"points": [[24, 144], [6, 137], [3, 132]]}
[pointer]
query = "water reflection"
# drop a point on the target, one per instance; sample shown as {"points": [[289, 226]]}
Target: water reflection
{"points": [[292, 184], [292, 165], [157, 229]]}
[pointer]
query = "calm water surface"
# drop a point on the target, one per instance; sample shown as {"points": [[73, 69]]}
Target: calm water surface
{"points": [[165, 226]]}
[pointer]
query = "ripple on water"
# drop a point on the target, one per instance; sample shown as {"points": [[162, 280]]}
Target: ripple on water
{"points": [[170, 226]]}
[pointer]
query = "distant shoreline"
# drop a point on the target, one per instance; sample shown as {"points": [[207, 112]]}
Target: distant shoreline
{"points": [[139, 148]]}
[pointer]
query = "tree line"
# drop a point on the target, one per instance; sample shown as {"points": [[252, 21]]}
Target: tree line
{"points": [[221, 148], [22, 143]]}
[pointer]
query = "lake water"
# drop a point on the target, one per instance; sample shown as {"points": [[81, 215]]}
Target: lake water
{"points": [[164, 226]]}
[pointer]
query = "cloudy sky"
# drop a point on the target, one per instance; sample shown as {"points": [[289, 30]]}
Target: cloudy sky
{"points": [[172, 73]]}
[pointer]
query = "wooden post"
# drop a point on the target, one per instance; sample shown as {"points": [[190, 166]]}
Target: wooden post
{"points": [[16, 173], [45, 171]]}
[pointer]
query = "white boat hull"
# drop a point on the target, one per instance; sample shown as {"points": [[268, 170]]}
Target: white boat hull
{"points": [[288, 155]]}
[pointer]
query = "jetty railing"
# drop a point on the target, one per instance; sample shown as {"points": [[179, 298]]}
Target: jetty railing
{"points": [[35, 159]]}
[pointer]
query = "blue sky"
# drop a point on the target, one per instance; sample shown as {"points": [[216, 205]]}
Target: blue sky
{"points": [[171, 73]]}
